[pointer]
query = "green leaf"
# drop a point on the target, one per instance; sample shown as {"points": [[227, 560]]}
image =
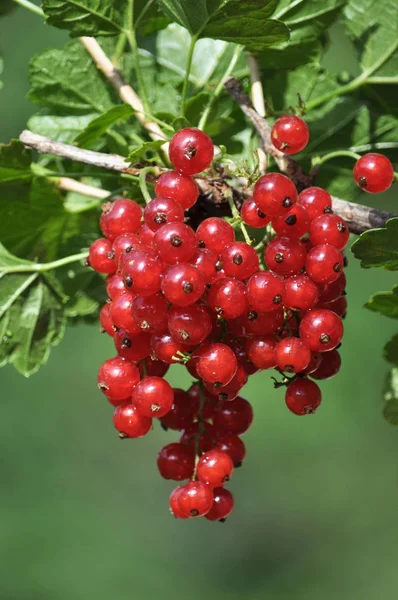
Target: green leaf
{"points": [[68, 80], [6, 7], [139, 151], [14, 162], [98, 126], [391, 350], [391, 397], [385, 303], [63, 129], [378, 247], [86, 17], [191, 14], [290, 56]]}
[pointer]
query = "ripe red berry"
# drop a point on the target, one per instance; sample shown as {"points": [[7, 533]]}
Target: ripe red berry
{"points": [[182, 188], [121, 314], [146, 236], [101, 257], [263, 323], [183, 411], [191, 151], [324, 264], [227, 297], [174, 506], [120, 216], [265, 291], [231, 389], [292, 355], [329, 229], [106, 321], [315, 361], [316, 201], [175, 242], [374, 173], [339, 306], [234, 416], [301, 293], [294, 224], [195, 499], [214, 233], [233, 446], [150, 312], [290, 134], [152, 366], [161, 211], [214, 468], [239, 260], [261, 351], [285, 256], [176, 461], [223, 505], [216, 363], [132, 348], [129, 422], [190, 324], [334, 290], [329, 366], [124, 244], [275, 194], [115, 286], [153, 397], [183, 284], [207, 262], [252, 215], [303, 397], [322, 329], [190, 436], [142, 273], [165, 348], [117, 378]]}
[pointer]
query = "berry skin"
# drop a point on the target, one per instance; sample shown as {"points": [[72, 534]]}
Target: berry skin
{"points": [[324, 264], [223, 505], [150, 313], [316, 201], [290, 134], [275, 194], [153, 397], [265, 291], [182, 188], [183, 411], [165, 348], [285, 256], [207, 262], [374, 173], [121, 314], [132, 348], [252, 215], [215, 468], [129, 422], [124, 244], [161, 211], [115, 286], [120, 216], [338, 306], [175, 242], [301, 293], [146, 236], [106, 321], [216, 363], [173, 504], [183, 284], [333, 290], [231, 389], [329, 229], [261, 351], [190, 325], [292, 355], [233, 446], [227, 297], [195, 499], [117, 378], [101, 257], [316, 359], [263, 323], [153, 366], [328, 367], [303, 397], [293, 225], [191, 151], [234, 416], [205, 442], [214, 233], [322, 329], [239, 260], [142, 273], [176, 461]]}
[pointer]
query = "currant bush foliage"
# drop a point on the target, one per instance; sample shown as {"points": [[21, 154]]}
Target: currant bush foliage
{"points": [[76, 105]]}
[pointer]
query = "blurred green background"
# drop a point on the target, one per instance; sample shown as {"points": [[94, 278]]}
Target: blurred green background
{"points": [[85, 516]]}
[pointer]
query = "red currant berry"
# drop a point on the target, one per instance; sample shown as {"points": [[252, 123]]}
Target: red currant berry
{"points": [[195, 499], [329, 229], [106, 321], [261, 351], [233, 446], [338, 306], [322, 329], [301, 293], [183, 284], [132, 348], [182, 188], [324, 264], [129, 422], [153, 366], [141, 273], [316, 358], [191, 151], [239, 260], [231, 389], [191, 434], [316, 202], [227, 297], [216, 363], [215, 468], [275, 194], [115, 286], [190, 325], [263, 323], [101, 257], [303, 397], [117, 378], [374, 173], [124, 244], [153, 397], [285, 256], [161, 211], [333, 290], [290, 134], [174, 506], [265, 291], [183, 411], [214, 233], [120, 216], [293, 225], [150, 313], [166, 349], [223, 505], [121, 314], [176, 461], [252, 215], [146, 236], [175, 242], [207, 262], [292, 355], [329, 366], [234, 416]]}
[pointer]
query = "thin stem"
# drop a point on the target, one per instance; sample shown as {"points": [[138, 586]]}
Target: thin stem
{"points": [[220, 87], [245, 233], [121, 43], [317, 161], [187, 72], [142, 182], [238, 219], [130, 33], [43, 267], [30, 6]]}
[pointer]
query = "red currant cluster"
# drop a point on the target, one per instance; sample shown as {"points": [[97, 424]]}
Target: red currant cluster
{"points": [[211, 303]]}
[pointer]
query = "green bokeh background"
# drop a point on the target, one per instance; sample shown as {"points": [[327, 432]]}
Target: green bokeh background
{"points": [[84, 516]]}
